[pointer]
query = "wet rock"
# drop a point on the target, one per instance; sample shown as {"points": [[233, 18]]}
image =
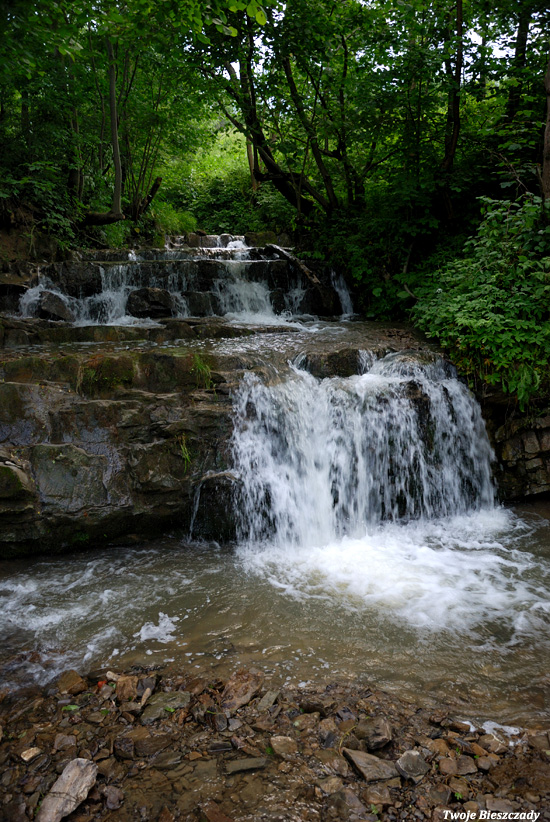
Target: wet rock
{"points": [[30, 754], [150, 302], [412, 765], [330, 785], [162, 705], [375, 732], [349, 807], [240, 689], [249, 764], [465, 765], [268, 699], [69, 791], [213, 813], [493, 744], [167, 760], [283, 746], [150, 744], [448, 766], [114, 797], [14, 482], [332, 761], [539, 741], [64, 742], [53, 307], [124, 747], [126, 688], [72, 683], [371, 768]]}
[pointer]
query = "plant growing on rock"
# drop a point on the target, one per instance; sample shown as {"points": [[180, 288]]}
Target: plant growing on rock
{"points": [[202, 371]]}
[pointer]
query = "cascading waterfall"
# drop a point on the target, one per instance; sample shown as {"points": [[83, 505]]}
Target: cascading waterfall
{"points": [[322, 459]]}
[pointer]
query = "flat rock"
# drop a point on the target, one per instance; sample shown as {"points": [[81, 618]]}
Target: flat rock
{"points": [[465, 765], [412, 765], [375, 731], [70, 682], [161, 705], [330, 785], [248, 764], [348, 806], [240, 689], [283, 746], [30, 753], [447, 766], [72, 788], [152, 744], [332, 761], [371, 768], [499, 805]]}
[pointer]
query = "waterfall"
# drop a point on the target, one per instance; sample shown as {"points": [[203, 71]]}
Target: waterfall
{"points": [[339, 285], [322, 459]]}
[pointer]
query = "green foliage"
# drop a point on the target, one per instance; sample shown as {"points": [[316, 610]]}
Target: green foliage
{"points": [[202, 371], [171, 220], [184, 451], [490, 309], [214, 186]]}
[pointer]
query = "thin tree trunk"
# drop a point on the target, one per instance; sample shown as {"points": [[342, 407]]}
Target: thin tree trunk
{"points": [[116, 208], [522, 35], [250, 157], [546, 146], [453, 109]]}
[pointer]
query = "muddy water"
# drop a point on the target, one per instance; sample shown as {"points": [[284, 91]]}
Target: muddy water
{"points": [[446, 599], [468, 622]]}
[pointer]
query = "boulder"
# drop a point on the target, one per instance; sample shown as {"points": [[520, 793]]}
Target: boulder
{"points": [[150, 302], [53, 306]]}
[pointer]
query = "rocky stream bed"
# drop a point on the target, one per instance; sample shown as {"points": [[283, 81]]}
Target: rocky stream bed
{"points": [[173, 745]]}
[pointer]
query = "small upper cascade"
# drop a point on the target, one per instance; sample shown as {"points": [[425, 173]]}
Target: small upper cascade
{"points": [[195, 276], [320, 459]]}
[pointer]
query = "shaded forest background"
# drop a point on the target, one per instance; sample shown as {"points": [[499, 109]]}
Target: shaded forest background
{"points": [[408, 143]]}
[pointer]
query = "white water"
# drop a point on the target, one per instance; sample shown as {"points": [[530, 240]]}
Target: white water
{"points": [[238, 293], [324, 459], [376, 491]]}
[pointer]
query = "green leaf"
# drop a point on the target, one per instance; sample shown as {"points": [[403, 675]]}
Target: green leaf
{"points": [[261, 19]]}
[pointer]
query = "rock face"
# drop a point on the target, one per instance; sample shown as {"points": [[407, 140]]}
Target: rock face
{"points": [[523, 453], [94, 446]]}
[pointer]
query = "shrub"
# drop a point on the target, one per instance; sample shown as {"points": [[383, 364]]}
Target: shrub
{"points": [[490, 309]]}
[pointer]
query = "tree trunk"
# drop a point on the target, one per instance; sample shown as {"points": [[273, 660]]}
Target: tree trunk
{"points": [[453, 107], [250, 157], [522, 35], [116, 207], [546, 146]]}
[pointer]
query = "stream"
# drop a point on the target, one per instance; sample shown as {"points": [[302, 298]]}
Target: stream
{"points": [[371, 543]]}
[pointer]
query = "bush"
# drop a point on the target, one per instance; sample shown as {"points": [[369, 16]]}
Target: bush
{"points": [[490, 309]]}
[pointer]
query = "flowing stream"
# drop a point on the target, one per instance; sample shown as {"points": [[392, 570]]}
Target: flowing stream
{"points": [[371, 546]]}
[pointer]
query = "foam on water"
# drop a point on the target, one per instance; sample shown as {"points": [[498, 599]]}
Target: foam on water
{"points": [[449, 574]]}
